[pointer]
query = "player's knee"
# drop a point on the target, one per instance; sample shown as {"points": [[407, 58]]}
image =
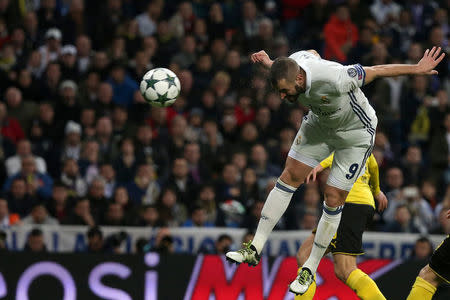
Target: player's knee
{"points": [[334, 198], [427, 274], [342, 271], [291, 176]]}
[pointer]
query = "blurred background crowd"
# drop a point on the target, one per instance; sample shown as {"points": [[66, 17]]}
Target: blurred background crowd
{"points": [[80, 146]]}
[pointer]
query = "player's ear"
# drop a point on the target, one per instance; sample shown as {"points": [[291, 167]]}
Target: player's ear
{"points": [[299, 78]]}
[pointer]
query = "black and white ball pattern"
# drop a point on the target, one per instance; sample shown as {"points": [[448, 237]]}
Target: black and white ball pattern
{"points": [[160, 87]]}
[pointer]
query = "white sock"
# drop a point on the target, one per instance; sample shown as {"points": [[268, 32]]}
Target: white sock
{"points": [[274, 207], [328, 225]]}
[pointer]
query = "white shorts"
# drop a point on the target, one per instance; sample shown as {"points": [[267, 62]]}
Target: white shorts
{"points": [[351, 147]]}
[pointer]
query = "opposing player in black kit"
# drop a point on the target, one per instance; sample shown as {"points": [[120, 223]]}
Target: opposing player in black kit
{"points": [[434, 274]]}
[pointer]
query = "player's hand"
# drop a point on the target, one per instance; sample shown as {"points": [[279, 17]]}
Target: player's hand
{"points": [[382, 201], [313, 174], [261, 57], [448, 214], [429, 61]]}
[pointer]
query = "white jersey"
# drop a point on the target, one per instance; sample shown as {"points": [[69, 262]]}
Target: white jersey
{"points": [[333, 93]]}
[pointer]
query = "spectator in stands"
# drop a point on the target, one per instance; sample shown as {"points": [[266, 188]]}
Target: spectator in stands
{"points": [[87, 122], [114, 216], [71, 178], [104, 104], [149, 216], [149, 150], [403, 221], [228, 186], [51, 50], [10, 127], [311, 201], [123, 86], [81, 214], [440, 149], [126, 164], [7, 219], [182, 181], [122, 126], [198, 218], [14, 163], [182, 22], [89, 160], [108, 173], [340, 35], [163, 243], [309, 220], [96, 195], [84, 53], [108, 148], [59, 206], [95, 240], [172, 212], [20, 201], [223, 244], [23, 111], [35, 242], [28, 86], [394, 184], [39, 216], [197, 171], [72, 145], [144, 189], [423, 249], [250, 189], [187, 56], [38, 184], [412, 166], [68, 63], [384, 10], [50, 130], [263, 168], [443, 226], [147, 21], [68, 108], [207, 200]]}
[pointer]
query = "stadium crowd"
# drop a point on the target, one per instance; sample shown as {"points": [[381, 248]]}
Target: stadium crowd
{"points": [[79, 144]]}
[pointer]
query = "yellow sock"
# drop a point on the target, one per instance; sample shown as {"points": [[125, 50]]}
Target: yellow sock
{"points": [[309, 295], [421, 290], [364, 286]]}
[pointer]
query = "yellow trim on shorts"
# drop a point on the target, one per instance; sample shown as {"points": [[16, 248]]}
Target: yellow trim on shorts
{"points": [[437, 274], [345, 253]]}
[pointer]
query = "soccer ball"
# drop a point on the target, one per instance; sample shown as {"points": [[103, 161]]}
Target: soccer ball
{"points": [[160, 87]]}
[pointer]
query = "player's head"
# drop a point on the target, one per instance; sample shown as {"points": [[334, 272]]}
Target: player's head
{"points": [[287, 77]]}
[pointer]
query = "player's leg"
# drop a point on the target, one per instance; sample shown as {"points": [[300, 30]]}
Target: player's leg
{"points": [[433, 274], [302, 256], [348, 244], [306, 152], [425, 285], [328, 224], [346, 270], [278, 200], [348, 164]]}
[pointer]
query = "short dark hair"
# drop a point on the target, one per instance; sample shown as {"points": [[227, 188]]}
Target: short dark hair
{"points": [[223, 237], [283, 68], [36, 232]]}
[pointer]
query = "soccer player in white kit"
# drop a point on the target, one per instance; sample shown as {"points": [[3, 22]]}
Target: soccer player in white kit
{"points": [[340, 120]]}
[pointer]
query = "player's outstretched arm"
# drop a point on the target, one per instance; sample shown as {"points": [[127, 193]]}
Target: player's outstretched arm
{"points": [[261, 57], [425, 66]]}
